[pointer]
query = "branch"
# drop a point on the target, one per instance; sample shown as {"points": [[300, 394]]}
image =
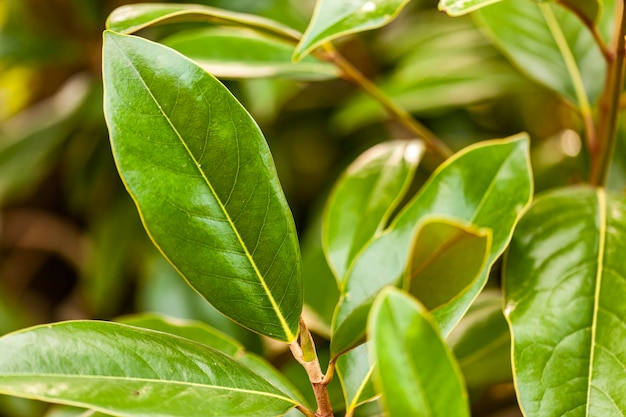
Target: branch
{"points": [[353, 75], [303, 351], [610, 103]]}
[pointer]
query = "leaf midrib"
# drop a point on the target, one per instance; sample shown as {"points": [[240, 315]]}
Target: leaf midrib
{"points": [[602, 209], [247, 253], [144, 380]]}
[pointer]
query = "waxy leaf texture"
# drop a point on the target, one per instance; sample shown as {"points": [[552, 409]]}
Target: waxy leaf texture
{"points": [[204, 182]]}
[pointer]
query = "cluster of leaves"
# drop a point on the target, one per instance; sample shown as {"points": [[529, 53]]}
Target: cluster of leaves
{"points": [[399, 287]]}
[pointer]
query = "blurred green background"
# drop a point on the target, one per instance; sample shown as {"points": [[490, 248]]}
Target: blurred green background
{"points": [[71, 243]]}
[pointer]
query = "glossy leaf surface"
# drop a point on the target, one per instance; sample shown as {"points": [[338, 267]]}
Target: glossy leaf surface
{"points": [[334, 18], [364, 197], [488, 184], [414, 367], [438, 244], [557, 50], [243, 53], [482, 344], [133, 17], [564, 291], [355, 369], [129, 371], [204, 183], [200, 332], [461, 7], [189, 329]]}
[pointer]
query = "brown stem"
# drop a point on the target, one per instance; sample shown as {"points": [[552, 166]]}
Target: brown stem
{"points": [[610, 104], [319, 381], [353, 75], [606, 52]]}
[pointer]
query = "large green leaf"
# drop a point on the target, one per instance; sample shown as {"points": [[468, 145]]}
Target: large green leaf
{"points": [[335, 18], [438, 244], [415, 371], [565, 286], [133, 17], [488, 184], [355, 370], [461, 7], [204, 183], [363, 199], [68, 411], [242, 53], [482, 343], [189, 329], [549, 44], [200, 332], [131, 372]]}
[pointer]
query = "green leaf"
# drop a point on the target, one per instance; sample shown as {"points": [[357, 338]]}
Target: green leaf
{"points": [[438, 244], [415, 371], [133, 17], [242, 53], [482, 343], [189, 329], [355, 370], [335, 18], [461, 7], [200, 332], [364, 197], [127, 371], [204, 183], [488, 184], [565, 286], [557, 50], [67, 411]]}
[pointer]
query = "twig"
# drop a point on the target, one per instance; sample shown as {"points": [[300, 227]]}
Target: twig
{"points": [[610, 103], [353, 75], [311, 365], [593, 29]]}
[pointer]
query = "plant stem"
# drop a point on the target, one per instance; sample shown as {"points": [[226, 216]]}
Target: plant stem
{"points": [[311, 365], [574, 72], [610, 104], [593, 29], [353, 75]]}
